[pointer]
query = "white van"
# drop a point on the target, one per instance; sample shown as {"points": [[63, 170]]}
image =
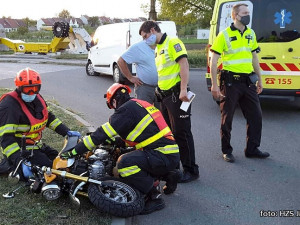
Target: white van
{"points": [[111, 41]]}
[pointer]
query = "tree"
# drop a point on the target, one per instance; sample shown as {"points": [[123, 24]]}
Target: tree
{"points": [[94, 21], [64, 14], [187, 11], [22, 30], [89, 29], [29, 22]]}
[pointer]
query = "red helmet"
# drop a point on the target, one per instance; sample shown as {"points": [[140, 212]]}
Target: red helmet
{"points": [[28, 81], [112, 90]]}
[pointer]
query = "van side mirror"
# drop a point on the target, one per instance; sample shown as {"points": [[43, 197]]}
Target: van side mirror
{"points": [[89, 45]]}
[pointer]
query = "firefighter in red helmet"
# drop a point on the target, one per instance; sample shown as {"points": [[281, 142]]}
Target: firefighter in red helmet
{"points": [[142, 126], [25, 112]]}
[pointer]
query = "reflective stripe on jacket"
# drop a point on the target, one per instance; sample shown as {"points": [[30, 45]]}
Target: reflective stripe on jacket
{"points": [[32, 131], [168, 69], [236, 49], [153, 115], [139, 124]]}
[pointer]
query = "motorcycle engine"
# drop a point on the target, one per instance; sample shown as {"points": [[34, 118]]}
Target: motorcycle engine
{"points": [[99, 164]]}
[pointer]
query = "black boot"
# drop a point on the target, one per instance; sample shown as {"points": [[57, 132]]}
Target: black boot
{"points": [[171, 179], [188, 177], [153, 202], [154, 193], [153, 205], [4, 166]]}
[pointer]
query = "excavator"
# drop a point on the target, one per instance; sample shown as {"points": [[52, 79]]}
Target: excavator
{"points": [[64, 37]]}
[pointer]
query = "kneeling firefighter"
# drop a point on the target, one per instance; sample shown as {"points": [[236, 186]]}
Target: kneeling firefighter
{"points": [[25, 112], [142, 126]]}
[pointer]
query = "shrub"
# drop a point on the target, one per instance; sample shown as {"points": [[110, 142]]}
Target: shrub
{"points": [[197, 58]]}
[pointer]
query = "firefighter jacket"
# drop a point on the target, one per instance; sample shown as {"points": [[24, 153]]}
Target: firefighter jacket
{"points": [[19, 118], [167, 53], [139, 124], [235, 48]]}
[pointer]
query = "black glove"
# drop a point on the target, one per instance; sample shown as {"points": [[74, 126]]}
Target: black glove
{"points": [[25, 153], [119, 142], [69, 154], [108, 142]]}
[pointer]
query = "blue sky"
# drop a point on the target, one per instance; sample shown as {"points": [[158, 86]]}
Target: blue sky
{"points": [[36, 9]]}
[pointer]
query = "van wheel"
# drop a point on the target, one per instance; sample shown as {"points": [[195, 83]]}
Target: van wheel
{"points": [[89, 68], [118, 76]]}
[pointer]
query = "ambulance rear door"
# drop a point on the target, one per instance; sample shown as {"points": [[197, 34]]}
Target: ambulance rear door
{"points": [[276, 24]]}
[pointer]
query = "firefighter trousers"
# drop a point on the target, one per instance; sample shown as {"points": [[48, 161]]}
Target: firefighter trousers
{"points": [[41, 157], [140, 168], [246, 96]]}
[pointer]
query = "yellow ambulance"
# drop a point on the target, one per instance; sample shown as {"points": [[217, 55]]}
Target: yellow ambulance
{"points": [[277, 26]]}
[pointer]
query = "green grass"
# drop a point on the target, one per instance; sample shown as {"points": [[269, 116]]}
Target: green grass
{"points": [[71, 56], [197, 58], [29, 208], [194, 41], [9, 52]]}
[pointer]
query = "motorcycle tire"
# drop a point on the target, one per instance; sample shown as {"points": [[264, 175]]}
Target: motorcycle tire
{"points": [[121, 200]]}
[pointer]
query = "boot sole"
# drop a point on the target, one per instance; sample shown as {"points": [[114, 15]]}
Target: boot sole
{"points": [[156, 208]]}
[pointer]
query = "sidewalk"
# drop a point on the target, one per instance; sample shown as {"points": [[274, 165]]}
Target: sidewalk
{"points": [[40, 59]]}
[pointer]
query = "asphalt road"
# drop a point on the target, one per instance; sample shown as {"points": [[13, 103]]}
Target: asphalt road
{"points": [[249, 191]]}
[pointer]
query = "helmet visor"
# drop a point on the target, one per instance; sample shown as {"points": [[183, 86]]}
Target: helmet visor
{"points": [[30, 90]]}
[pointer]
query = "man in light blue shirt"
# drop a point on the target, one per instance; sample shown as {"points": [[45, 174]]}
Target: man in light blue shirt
{"points": [[142, 54]]}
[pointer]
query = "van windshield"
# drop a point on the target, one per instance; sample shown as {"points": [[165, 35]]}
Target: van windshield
{"points": [[272, 20]]}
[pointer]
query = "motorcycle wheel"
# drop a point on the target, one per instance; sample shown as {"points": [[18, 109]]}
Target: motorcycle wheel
{"points": [[121, 200]]}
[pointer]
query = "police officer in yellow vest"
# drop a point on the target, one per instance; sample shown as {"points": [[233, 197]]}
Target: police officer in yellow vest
{"points": [[142, 126], [173, 77], [238, 49]]}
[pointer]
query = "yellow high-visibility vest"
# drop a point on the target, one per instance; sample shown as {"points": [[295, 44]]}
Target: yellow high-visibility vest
{"points": [[168, 69], [236, 49]]}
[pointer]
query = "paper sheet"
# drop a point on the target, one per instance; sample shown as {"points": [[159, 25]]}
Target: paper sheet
{"points": [[185, 105]]}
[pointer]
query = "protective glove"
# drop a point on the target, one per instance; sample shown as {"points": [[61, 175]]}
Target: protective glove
{"points": [[72, 133], [109, 141], [69, 154], [119, 142], [25, 153]]}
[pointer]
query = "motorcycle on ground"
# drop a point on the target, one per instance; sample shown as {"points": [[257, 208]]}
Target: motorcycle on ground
{"points": [[93, 175]]}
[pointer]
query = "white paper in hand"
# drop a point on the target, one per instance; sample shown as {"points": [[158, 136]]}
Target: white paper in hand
{"points": [[185, 105]]}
